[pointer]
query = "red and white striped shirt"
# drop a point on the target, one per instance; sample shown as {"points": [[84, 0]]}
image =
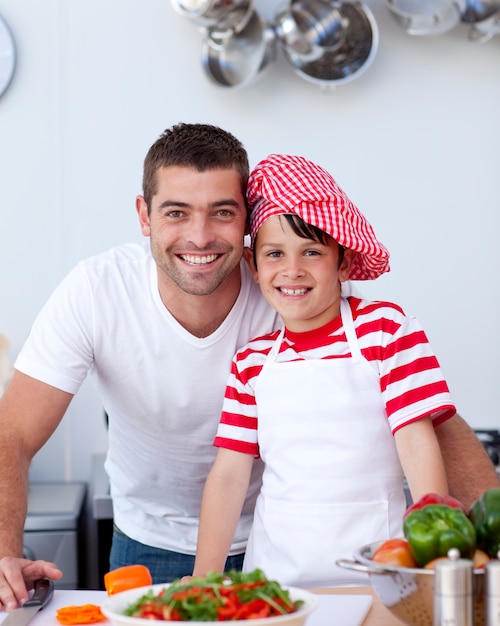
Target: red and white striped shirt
{"points": [[411, 381]]}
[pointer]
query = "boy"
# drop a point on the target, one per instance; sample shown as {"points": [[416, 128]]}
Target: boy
{"points": [[339, 404]]}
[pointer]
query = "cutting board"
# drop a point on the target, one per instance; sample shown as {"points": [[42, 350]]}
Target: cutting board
{"points": [[340, 610], [63, 597], [333, 610]]}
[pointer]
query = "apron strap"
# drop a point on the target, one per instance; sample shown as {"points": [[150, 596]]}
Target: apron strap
{"points": [[348, 323], [271, 357]]}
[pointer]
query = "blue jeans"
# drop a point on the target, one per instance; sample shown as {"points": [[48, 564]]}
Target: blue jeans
{"points": [[164, 565]]}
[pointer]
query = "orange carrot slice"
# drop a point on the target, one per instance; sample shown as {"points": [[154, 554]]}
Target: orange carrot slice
{"points": [[84, 614]]}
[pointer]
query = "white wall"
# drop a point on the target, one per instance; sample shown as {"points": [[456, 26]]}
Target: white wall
{"points": [[414, 142]]}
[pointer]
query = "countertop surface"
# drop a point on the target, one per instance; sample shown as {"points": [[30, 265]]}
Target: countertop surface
{"points": [[338, 607]]}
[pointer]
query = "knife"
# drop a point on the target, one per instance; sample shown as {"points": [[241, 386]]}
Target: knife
{"points": [[43, 592]]}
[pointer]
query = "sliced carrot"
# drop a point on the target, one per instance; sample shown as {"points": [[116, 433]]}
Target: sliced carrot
{"points": [[84, 614], [127, 577]]}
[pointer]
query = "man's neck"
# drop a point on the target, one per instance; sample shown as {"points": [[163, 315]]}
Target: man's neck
{"points": [[201, 315]]}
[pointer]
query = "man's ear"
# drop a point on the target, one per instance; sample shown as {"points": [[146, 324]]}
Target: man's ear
{"points": [[346, 265], [248, 256], [142, 211]]}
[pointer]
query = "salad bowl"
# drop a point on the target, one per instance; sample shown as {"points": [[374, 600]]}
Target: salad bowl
{"points": [[114, 609]]}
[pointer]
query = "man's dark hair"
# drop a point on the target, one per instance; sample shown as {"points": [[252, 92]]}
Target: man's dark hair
{"points": [[200, 146]]}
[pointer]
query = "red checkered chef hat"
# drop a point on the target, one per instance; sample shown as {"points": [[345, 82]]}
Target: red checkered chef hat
{"points": [[282, 184]]}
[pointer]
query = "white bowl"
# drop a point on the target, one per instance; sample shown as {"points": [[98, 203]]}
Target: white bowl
{"points": [[115, 605]]}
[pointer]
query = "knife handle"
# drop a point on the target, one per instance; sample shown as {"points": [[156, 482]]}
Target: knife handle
{"points": [[44, 589]]}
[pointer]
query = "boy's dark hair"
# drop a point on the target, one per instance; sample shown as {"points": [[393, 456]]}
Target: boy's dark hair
{"points": [[200, 146]]}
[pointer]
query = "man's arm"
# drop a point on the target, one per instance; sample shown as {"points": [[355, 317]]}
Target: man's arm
{"points": [[29, 413], [469, 469]]}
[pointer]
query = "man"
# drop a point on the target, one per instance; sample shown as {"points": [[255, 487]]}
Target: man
{"points": [[158, 329]]}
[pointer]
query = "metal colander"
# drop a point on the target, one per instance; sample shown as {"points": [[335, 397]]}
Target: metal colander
{"points": [[408, 592]]}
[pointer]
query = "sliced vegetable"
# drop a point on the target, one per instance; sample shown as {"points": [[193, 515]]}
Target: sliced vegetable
{"points": [[128, 577], [434, 498], [217, 597], [84, 614], [395, 552], [485, 515], [432, 530]]}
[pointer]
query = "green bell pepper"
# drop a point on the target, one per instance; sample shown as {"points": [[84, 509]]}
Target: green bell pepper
{"points": [[485, 515], [436, 528]]}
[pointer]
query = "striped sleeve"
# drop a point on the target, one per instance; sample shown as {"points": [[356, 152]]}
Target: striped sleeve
{"points": [[411, 380], [237, 428]]}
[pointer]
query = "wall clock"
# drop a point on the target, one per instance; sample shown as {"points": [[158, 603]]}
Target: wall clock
{"points": [[7, 56]]}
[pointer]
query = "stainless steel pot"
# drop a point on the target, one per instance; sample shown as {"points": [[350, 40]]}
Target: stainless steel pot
{"points": [[343, 57], [408, 592], [238, 59], [426, 17], [482, 32], [480, 10], [220, 16], [483, 16], [308, 28]]}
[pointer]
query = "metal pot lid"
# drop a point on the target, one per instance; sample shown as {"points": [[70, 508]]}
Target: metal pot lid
{"points": [[221, 16], [237, 60], [349, 60], [427, 18]]}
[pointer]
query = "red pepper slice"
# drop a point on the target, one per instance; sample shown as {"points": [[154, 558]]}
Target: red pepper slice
{"points": [[127, 577], [253, 610], [228, 609], [434, 498]]}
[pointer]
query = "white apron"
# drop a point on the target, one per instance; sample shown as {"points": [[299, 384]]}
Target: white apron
{"points": [[332, 480]]}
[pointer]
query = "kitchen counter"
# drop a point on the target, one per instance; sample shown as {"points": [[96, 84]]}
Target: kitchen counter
{"points": [[376, 615]]}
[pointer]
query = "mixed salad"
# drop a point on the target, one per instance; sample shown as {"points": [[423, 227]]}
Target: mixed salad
{"points": [[217, 597]]}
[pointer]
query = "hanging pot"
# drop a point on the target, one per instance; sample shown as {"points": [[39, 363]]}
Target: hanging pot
{"points": [[240, 58], [427, 18], [309, 27], [480, 10], [344, 58], [483, 31], [220, 16]]}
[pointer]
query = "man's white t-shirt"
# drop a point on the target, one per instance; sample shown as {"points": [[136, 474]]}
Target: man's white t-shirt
{"points": [[161, 387]]}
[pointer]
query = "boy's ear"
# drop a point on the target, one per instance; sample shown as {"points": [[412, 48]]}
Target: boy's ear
{"points": [[248, 256], [346, 265]]}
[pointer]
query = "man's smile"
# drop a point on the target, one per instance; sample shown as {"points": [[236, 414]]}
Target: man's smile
{"points": [[198, 259]]}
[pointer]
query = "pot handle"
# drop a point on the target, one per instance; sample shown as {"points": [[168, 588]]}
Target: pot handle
{"points": [[360, 567]]}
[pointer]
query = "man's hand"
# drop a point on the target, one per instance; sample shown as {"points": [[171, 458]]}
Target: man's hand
{"points": [[17, 576]]}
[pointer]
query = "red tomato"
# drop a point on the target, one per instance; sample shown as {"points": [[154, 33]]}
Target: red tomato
{"points": [[395, 552]]}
